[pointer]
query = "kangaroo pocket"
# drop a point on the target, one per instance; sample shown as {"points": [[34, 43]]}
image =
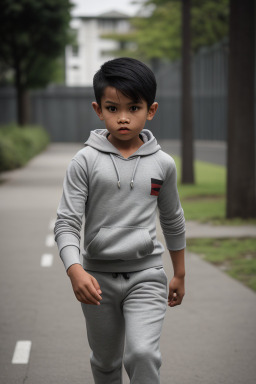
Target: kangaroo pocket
{"points": [[123, 243]]}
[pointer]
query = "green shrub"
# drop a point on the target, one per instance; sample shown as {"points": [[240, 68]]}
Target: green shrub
{"points": [[18, 145]]}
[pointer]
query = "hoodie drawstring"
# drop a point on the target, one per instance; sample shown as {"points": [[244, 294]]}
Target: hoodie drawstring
{"points": [[117, 172], [118, 175], [134, 170]]}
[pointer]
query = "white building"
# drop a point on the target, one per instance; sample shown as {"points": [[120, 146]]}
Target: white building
{"points": [[83, 60]]}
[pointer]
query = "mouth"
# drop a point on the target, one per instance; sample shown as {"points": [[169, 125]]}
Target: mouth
{"points": [[123, 130]]}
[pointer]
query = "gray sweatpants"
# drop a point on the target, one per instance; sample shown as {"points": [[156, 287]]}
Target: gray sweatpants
{"points": [[127, 325]]}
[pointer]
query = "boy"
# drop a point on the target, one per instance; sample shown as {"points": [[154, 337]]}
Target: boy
{"points": [[118, 181]]}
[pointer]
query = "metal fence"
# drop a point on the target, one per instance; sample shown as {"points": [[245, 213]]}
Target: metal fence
{"points": [[67, 115], [209, 91]]}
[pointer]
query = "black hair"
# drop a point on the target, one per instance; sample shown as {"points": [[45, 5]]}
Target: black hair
{"points": [[130, 76]]}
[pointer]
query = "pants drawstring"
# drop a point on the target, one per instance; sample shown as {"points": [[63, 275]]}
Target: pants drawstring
{"points": [[125, 275]]}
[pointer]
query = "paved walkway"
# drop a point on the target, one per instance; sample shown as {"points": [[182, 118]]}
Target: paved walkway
{"points": [[198, 230], [209, 339], [210, 151]]}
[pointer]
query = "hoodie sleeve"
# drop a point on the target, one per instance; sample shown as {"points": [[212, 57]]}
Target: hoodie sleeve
{"points": [[170, 211], [70, 213]]}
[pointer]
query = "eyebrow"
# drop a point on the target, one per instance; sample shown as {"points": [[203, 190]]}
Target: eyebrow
{"points": [[132, 102]]}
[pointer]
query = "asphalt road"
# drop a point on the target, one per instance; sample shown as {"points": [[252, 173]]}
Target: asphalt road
{"points": [[210, 339]]}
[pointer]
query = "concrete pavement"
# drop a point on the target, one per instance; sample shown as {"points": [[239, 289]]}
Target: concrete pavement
{"points": [[198, 230], [209, 339]]}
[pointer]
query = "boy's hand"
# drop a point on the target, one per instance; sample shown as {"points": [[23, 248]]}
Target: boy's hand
{"points": [[176, 291], [85, 286]]}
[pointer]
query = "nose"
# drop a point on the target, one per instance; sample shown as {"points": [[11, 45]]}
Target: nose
{"points": [[123, 119]]}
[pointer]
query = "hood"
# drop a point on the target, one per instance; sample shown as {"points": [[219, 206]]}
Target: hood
{"points": [[98, 140]]}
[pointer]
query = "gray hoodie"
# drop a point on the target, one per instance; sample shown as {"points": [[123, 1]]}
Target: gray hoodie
{"points": [[119, 199]]}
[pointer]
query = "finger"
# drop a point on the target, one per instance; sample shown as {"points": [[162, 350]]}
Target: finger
{"points": [[172, 297], [93, 292], [91, 297], [173, 303], [96, 285], [94, 288], [83, 295], [176, 300], [171, 292], [87, 300]]}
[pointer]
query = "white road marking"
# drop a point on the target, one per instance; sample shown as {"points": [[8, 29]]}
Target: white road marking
{"points": [[52, 224], [49, 242], [46, 260], [21, 352]]}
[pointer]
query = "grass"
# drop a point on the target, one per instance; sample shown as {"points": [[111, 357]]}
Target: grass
{"points": [[210, 181], [20, 144], [236, 257], [205, 201]]}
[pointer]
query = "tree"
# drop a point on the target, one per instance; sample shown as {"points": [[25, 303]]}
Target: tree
{"points": [[187, 176], [158, 34], [241, 124], [33, 35]]}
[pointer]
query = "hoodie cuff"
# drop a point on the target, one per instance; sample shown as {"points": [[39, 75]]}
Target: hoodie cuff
{"points": [[67, 239], [175, 242], [70, 255]]}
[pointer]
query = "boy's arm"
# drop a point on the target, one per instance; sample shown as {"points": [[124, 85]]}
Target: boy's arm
{"points": [[177, 284], [172, 221], [67, 233], [70, 213], [171, 214]]}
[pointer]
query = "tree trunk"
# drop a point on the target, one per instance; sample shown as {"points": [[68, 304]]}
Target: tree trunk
{"points": [[23, 102], [23, 106], [186, 102], [241, 129]]}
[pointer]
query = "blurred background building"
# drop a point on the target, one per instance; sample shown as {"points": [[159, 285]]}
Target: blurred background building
{"points": [[92, 49]]}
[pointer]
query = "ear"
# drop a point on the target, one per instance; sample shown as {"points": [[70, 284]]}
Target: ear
{"points": [[152, 111], [98, 110]]}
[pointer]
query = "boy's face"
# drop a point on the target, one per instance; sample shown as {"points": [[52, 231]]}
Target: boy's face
{"points": [[123, 118]]}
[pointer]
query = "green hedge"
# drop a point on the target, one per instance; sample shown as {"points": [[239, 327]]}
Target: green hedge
{"points": [[19, 144]]}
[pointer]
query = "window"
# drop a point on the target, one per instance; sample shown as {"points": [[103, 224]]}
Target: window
{"points": [[75, 50], [107, 25]]}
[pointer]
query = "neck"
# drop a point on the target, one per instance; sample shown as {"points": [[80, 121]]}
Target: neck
{"points": [[129, 145]]}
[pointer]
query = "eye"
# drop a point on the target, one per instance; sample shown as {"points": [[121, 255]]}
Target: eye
{"points": [[111, 108], [134, 108]]}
